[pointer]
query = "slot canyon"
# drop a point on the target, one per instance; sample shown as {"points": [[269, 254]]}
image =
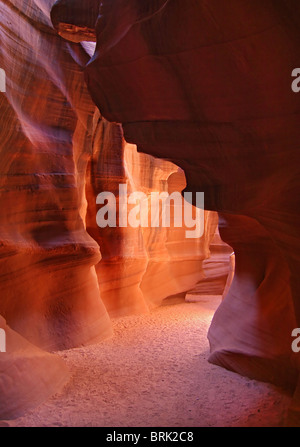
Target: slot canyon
{"points": [[149, 325]]}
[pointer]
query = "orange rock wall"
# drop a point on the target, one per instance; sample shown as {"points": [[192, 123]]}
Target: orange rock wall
{"points": [[61, 276]]}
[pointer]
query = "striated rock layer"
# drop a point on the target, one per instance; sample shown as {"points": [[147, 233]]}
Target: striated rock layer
{"points": [[62, 276], [49, 288], [140, 266], [207, 85]]}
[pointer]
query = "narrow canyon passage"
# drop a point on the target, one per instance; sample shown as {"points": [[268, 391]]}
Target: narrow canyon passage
{"points": [[113, 112], [154, 372]]}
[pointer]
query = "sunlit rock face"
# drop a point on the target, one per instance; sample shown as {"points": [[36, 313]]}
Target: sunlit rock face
{"points": [[62, 276], [218, 272], [58, 155], [49, 288], [140, 266], [207, 85]]}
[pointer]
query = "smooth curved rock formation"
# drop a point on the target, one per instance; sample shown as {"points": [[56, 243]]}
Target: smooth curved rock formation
{"points": [[207, 85], [139, 266], [204, 85], [28, 375], [218, 271], [61, 276], [251, 330], [49, 288], [64, 154]]}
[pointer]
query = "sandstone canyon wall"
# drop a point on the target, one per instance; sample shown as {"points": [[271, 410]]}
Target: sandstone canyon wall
{"points": [[140, 266], [207, 86], [62, 277], [28, 375]]}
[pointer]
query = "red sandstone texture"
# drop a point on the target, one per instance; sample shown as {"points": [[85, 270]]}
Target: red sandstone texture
{"points": [[28, 375], [139, 266], [207, 85], [62, 277]]}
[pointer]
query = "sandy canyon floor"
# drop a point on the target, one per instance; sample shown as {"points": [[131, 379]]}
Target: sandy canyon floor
{"points": [[154, 373]]}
